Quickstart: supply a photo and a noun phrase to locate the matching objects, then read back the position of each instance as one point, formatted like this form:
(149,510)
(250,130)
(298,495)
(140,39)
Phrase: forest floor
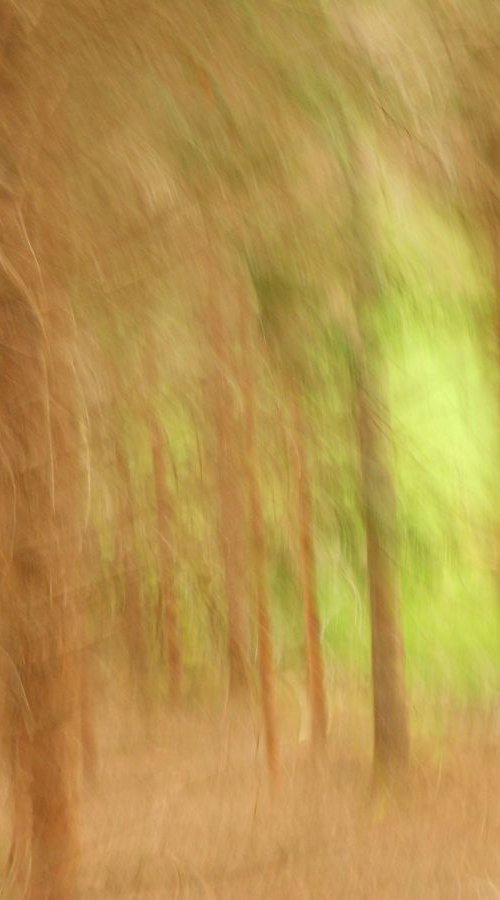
(181,808)
(186,812)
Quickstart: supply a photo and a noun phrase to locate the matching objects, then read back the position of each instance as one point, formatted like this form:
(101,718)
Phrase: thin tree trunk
(315,663)
(88,735)
(391,738)
(264,635)
(494,236)
(127,564)
(41,622)
(39,475)
(168,599)
(92,561)
(391,731)
(229,474)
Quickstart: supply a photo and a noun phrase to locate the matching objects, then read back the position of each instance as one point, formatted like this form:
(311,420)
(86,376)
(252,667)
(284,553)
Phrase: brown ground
(186,813)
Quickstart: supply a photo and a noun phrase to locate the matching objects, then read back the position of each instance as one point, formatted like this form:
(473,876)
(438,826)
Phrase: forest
(250,449)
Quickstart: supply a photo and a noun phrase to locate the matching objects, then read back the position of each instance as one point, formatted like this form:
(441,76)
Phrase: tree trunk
(391,732)
(315,663)
(391,739)
(494,237)
(40,541)
(127,564)
(229,449)
(40,478)
(264,635)
(168,600)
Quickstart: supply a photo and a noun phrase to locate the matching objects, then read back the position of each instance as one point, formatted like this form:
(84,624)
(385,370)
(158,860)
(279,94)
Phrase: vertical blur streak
(391,737)
(264,636)
(492,204)
(127,560)
(228,464)
(390,717)
(40,478)
(166,561)
(494,234)
(315,665)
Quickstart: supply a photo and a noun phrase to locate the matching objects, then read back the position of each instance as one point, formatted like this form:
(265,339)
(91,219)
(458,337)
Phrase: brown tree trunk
(391,730)
(229,449)
(494,236)
(92,564)
(391,737)
(88,734)
(168,600)
(264,635)
(129,577)
(39,474)
(315,663)
(41,621)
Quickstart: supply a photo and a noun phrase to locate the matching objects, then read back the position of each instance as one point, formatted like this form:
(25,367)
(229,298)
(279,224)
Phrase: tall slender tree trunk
(164,510)
(229,449)
(315,662)
(39,473)
(493,228)
(264,634)
(168,599)
(91,562)
(127,564)
(391,739)
(378,497)
(391,731)
(494,237)
(41,552)
(39,624)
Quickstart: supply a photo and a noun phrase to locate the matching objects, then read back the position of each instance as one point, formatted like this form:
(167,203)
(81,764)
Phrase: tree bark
(264,634)
(168,599)
(127,563)
(315,662)
(229,449)
(378,497)
(391,738)
(40,475)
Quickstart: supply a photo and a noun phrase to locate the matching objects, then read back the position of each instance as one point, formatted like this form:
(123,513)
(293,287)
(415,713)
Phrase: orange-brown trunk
(229,449)
(40,477)
(264,635)
(168,600)
(315,663)
(129,575)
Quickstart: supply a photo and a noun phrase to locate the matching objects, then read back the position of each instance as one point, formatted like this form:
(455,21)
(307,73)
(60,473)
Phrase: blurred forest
(249,449)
